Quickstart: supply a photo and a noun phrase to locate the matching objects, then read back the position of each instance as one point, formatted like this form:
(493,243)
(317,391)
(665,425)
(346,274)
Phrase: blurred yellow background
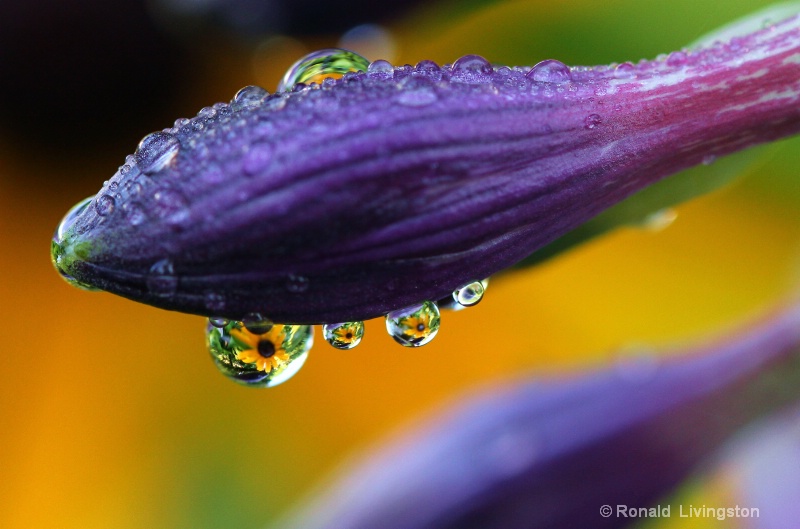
(113,415)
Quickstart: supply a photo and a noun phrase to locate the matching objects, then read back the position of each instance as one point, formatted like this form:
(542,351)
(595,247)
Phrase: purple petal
(548,454)
(384,189)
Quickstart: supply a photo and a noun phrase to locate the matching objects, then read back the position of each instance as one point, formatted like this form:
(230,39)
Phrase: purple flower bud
(344,201)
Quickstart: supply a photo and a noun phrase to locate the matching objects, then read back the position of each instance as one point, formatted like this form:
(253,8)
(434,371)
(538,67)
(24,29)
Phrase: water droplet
(592,120)
(161,279)
(316,66)
(256,323)
(70,218)
(380,69)
(214,301)
(207,113)
(256,159)
(677,58)
(660,219)
(550,71)
(414,326)
(156,151)
(429,70)
(626,70)
(297,284)
(249,96)
(469,295)
(259,360)
(343,335)
(472,69)
(218,322)
(171,206)
(105,205)
(125,169)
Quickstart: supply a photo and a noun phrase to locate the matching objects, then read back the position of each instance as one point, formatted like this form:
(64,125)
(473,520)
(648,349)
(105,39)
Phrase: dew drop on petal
(550,71)
(62,253)
(70,218)
(343,335)
(429,70)
(414,326)
(380,69)
(256,159)
(249,96)
(218,322)
(626,70)
(156,151)
(256,323)
(161,279)
(318,65)
(677,58)
(133,213)
(592,120)
(472,69)
(105,205)
(469,295)
(258,360)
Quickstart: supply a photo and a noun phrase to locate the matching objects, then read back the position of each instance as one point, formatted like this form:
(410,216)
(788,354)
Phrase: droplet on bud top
(156,151)
(318,65)
(550,71)
(472,69)
(414,326)
(259,360)
(343,335)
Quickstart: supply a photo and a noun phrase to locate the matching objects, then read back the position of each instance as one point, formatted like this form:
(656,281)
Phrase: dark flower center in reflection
(349,335)
(266,348)
(420,327)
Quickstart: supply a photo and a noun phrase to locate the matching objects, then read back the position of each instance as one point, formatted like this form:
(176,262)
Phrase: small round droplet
(414,326)
(161,279)
(428,69)
(380,69)
(343,335)
(318,65)
(677,58)
(257,158)
(550,71)
(105,205)
(133,213)
(472,69)
(592,120)
(249,96)
(218,322)
(297,284)
(256,323)
(626,70)
(156,151)
(207,113)
(259,360)
(469,295)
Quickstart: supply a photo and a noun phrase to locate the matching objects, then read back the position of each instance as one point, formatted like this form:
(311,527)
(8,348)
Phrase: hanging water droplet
(472,69)
(62,253)
(414,326)
(343,335)
(218,322)
(592,120)
(469,295)
(259,360)
(249,96)
(256,323)
(660,219)
(156,151)
(626,70)
(161,279)
(105,205)
(380,69)
(550,71)
(297,284)
(316,66)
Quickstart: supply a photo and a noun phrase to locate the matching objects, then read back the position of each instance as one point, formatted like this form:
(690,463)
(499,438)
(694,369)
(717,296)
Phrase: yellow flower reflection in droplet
(266,350)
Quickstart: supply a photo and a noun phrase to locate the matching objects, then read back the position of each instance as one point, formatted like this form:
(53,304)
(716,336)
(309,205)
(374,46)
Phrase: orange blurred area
(113,414)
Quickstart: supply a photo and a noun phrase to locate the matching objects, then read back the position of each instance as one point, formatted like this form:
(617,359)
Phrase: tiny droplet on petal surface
(259,360)
(316,66)
(550,71)
(105,205)
(414,326)
(156,151)
(343,335)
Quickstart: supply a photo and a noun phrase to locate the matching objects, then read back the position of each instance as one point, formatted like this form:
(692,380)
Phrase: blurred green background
(113,415)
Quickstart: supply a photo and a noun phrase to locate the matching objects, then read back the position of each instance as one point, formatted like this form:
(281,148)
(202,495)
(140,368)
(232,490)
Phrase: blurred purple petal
(548,454)
(387,188)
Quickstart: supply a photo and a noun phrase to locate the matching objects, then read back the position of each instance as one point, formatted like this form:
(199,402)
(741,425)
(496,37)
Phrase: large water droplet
(105,205)
(343,335)
(472,69)
(428,69)
(469,295)
(321,64)
(61,252)
(550,71)
(161,279)
(414,326)
(259,360)
(70,218)
(156,151)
